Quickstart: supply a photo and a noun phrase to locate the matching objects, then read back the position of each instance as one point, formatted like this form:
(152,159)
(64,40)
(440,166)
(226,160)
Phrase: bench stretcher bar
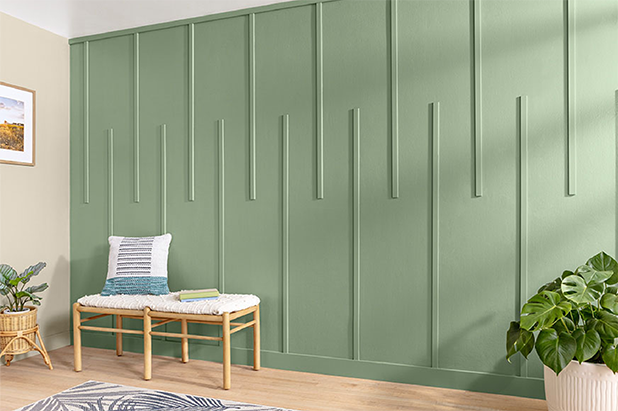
(162,318)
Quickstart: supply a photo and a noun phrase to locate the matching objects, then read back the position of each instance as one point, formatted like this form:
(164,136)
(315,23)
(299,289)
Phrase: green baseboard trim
(408,374)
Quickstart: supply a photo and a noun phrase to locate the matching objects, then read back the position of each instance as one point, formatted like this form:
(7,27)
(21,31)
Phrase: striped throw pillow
(137,265)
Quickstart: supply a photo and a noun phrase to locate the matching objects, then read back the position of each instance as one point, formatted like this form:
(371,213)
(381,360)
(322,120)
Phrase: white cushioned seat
(170,303)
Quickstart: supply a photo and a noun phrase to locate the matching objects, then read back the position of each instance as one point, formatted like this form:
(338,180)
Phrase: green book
(188,295)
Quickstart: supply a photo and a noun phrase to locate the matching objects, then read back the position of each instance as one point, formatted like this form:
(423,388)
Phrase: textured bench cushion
(170,303)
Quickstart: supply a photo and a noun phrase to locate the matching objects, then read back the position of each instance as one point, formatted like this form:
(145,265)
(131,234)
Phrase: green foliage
(543,310)
(518,340)
(609,301)
(578,290)
(13,287)
(575,316)
(556,349)
(588,343)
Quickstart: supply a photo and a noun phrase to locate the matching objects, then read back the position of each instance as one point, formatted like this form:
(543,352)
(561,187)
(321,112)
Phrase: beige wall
(34,201)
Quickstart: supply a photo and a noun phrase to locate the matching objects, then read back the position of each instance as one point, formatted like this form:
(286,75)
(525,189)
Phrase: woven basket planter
(11,323)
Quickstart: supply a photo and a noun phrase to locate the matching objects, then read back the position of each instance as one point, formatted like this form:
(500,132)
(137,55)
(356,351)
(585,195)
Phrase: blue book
(199,299)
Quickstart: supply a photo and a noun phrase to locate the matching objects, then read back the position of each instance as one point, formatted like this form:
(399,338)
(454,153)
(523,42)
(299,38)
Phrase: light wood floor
(29,380)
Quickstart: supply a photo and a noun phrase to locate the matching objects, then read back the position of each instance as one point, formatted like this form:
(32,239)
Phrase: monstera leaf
(610,357)
(588,344)
(555,350)
(552,286)
(607,325)
(564,324)
(543,310)
(518,340)
(578,290)
(610,302)
(603,262)
(593,276)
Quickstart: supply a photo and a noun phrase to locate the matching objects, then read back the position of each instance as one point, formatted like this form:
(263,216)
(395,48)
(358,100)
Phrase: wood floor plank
(29,380)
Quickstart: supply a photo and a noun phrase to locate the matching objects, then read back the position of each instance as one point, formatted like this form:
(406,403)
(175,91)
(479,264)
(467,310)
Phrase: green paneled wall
(392,178)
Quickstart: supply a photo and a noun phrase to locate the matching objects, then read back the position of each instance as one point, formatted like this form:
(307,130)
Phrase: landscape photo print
(16,124)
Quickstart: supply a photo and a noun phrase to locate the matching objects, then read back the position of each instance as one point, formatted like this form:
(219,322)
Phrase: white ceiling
(76,18)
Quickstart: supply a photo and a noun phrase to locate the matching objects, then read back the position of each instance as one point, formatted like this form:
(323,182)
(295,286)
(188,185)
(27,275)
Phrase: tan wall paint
(34,201)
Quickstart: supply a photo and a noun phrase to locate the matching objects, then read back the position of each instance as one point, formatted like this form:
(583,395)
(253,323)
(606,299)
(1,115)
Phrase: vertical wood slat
(522,136)
(434,127)
(570,101)
(319,46)
(163,178)
(86,122)
(252,118)
(110,181)
(136,119)
(191,112)
(285,132)
(356,229)
(221,210)
(394,101)
(478,98)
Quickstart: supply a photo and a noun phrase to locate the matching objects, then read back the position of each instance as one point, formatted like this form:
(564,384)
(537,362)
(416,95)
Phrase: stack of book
(199,295)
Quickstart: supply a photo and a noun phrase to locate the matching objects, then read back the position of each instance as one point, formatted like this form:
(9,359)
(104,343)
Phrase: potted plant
(572,323)
(15,315)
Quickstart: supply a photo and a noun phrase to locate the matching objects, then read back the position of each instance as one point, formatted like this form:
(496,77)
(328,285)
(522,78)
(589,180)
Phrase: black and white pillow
(137,265)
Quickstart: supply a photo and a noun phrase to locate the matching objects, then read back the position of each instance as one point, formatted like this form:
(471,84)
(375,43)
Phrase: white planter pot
(25,310)
(582,387)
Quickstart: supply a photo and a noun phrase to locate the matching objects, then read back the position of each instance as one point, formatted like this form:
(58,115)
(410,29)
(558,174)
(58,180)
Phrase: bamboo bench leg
(147,333)
(77,339)
(227,360)
(147,345)
(119,336)
(184,341)
(256,338)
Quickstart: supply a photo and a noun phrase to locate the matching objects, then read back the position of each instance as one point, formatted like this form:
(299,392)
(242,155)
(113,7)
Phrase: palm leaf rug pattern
(102,396)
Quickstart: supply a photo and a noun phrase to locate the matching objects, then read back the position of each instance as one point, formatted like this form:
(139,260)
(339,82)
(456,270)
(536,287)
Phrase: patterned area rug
(102,396)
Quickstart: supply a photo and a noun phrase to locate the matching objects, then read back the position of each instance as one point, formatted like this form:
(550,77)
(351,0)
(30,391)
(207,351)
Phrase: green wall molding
(221,205)
(523,193)
(136,147)
(414,162)
(86,131)
(477,94)
(570,100)
(110,181)
(473,381)
(434,127)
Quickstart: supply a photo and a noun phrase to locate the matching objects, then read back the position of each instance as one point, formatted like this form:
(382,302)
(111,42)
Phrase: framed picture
(17,111)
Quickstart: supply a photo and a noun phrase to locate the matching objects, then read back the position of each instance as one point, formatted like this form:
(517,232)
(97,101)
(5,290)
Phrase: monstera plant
(574,317)
(13,287)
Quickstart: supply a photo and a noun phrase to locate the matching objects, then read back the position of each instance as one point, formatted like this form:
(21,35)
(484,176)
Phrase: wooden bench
(153,319)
